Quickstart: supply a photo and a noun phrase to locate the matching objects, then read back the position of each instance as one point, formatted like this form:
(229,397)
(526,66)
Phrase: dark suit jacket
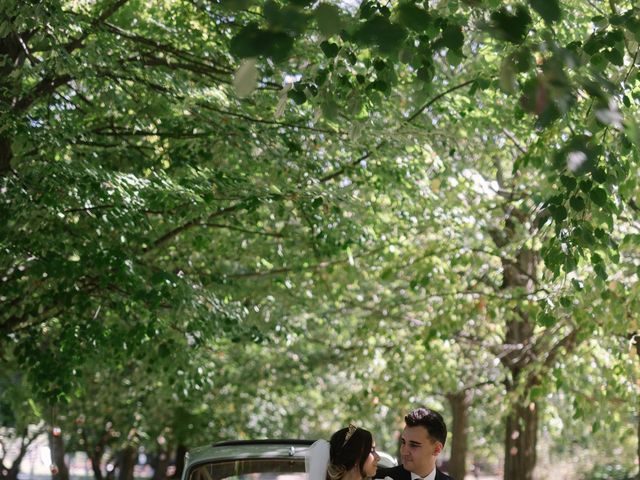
(399,473)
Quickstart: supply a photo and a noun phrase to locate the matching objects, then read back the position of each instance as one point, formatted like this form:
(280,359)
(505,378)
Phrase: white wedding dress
(317,460)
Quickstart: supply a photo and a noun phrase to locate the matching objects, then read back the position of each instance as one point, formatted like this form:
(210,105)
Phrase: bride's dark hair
(348,447)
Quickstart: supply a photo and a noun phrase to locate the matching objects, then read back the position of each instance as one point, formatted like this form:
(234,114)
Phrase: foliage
(610,472)
(237,206)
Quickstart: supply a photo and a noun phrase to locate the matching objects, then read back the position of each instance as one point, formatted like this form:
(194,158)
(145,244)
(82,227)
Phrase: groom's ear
(438,448)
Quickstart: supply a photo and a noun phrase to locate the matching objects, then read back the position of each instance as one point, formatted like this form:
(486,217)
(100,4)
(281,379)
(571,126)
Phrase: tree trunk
(635,336)
(112,464)
(96,453)
(181,451)
(459,403)
(95,457)
(12,473)
(128,460)
(10,49)
(521,437)
(160,464)
(5,155)
(522,421)
(59,469)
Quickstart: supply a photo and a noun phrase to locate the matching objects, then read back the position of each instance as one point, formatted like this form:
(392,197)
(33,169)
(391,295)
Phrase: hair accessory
(352,429)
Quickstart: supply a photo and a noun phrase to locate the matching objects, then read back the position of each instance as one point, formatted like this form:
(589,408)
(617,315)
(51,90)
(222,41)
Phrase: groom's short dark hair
(429,419)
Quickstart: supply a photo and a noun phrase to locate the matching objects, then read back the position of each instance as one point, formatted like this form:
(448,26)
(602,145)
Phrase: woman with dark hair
(349,455)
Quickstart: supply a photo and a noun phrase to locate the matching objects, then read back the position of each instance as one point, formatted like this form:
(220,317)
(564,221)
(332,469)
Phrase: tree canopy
(311,209)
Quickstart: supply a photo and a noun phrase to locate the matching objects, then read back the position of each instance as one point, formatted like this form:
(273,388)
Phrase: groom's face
(418,450)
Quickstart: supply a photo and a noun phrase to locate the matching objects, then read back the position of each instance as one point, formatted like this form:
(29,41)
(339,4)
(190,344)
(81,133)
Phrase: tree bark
(160,464)
(635,336)
(521,424)
(25,441)
(459,403)
(521,437)
(128,460)
(59,471)
(95,457)
(6,155)
(181,451)
(95,453)
(10,49)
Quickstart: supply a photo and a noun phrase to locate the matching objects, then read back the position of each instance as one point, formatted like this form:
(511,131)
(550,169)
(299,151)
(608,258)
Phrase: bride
(350,454)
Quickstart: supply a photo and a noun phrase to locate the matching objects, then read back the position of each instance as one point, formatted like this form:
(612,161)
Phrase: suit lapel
(440,475)
(403,473)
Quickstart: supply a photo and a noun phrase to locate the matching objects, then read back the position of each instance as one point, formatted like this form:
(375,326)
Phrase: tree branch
(244,230)
(436,98)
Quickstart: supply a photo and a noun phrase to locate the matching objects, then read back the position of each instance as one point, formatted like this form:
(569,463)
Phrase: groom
(423,438)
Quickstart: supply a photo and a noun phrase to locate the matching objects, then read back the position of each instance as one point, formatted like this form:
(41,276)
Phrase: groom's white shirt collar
(431,476)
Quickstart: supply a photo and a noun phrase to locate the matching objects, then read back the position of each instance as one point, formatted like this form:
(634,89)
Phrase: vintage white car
(254,460)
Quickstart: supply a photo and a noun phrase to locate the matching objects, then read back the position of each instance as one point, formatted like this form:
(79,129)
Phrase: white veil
(317,460)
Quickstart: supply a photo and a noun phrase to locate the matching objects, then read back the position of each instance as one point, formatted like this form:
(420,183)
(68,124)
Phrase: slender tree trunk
(25,442)
(114,461)
(60,471)
(10,50)
(181,451)
(129,457)
(96,453)
(521,424)
(95,457)
(160,464)
(12,473)
(5,155)
(635,336)
(521,437)
(459,403)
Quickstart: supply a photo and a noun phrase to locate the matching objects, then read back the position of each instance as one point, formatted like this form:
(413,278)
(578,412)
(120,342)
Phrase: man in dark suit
(423,438)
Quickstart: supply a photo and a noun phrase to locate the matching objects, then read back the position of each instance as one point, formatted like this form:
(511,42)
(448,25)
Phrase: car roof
(239,449)
(256,449)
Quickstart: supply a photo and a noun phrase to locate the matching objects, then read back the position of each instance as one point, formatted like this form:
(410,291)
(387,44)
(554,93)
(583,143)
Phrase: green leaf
(508,76)
(599,175)
(253,41)
(599,196)
(558,212)
(245,79)
(577,203)
(329,49)
(288,18)
(509,25)
(452,37)
(600,270)
(379,85)
(586,185)
(379,31)
(537,392)
(570,183)
(298,96)
(330,109)
(615,56)
(413,17)
(549,10)
(523,59)
(328,19)
(546,320)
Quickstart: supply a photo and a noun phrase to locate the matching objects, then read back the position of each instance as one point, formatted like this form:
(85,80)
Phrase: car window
(251,469)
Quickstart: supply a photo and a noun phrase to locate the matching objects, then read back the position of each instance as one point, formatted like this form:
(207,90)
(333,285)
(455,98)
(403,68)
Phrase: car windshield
(251,469)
